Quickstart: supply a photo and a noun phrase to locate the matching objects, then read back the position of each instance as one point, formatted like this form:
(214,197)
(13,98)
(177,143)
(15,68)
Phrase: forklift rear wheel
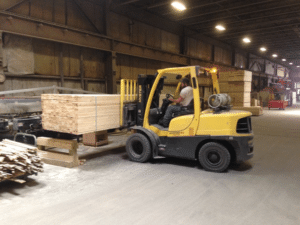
(214,157)
(138,148)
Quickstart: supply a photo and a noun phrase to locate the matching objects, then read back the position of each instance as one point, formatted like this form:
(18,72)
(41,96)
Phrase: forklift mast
(145,83)
(134,101)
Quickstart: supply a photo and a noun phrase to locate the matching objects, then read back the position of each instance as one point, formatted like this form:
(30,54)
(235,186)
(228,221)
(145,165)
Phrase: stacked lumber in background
(238,85)
(17,159)
(80,114)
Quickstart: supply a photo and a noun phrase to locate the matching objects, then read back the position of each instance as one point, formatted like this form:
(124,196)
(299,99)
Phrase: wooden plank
(240,96)
(79,114)
(58,159)
(235,86)
(57,143)
(235,75)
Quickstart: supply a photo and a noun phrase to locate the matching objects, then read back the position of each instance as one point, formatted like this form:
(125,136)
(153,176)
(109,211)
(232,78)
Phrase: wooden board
(237,75)
(80,114)
(240,96)
(235,86)
(241,104)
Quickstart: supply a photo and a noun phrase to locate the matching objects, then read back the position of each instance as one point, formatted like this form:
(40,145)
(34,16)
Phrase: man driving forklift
(183,102)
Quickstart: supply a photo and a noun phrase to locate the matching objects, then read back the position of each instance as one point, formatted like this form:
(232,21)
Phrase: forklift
(215,137)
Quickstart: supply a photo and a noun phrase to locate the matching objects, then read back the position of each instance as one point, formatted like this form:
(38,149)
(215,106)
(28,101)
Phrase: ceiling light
(220,27)
(291,63)
(263,49)
(246,40)
(178,5)
(298,66)
(283,60)
(274,55)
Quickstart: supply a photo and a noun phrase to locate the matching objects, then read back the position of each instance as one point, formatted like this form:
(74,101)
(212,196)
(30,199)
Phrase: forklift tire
(138,148)
(214,157)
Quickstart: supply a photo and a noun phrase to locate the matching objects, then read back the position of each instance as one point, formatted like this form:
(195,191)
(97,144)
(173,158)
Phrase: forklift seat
(186,110)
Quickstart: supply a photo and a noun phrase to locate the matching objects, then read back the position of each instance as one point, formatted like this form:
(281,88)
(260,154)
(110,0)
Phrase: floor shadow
(11,187)
(95,154)
(175,161)
(240,167)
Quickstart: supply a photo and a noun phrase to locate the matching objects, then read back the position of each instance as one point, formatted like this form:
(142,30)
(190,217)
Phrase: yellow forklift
(216,136)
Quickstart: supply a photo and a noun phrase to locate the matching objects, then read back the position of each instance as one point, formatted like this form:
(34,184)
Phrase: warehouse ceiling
(272,24)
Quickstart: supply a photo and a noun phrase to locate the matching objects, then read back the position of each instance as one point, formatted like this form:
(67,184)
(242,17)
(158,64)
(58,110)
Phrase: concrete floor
(110,189)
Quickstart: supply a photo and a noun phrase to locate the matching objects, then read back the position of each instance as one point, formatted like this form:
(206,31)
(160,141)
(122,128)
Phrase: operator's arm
(178,100)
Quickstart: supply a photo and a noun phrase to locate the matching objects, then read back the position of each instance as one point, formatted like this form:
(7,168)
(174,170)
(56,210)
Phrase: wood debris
(17,159)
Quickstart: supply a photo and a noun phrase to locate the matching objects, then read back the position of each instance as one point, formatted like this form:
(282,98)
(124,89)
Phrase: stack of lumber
(80,114)
(17,159)
(238,85)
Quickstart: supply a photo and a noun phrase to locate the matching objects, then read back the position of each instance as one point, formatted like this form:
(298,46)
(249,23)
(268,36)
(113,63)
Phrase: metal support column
(233,57)
(248,61)
(83,86)
(111,72)
(2,76)
(213,53)
(61,66)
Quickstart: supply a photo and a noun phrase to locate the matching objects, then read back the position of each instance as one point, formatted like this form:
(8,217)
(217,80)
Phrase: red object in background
(278,104)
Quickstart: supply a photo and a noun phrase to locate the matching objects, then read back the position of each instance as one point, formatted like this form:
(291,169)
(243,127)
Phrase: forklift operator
(185,97)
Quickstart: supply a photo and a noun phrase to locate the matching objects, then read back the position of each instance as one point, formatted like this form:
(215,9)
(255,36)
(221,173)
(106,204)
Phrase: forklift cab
(184,122)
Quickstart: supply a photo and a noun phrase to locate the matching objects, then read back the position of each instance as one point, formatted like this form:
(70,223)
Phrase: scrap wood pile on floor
(17,159)
(80,114)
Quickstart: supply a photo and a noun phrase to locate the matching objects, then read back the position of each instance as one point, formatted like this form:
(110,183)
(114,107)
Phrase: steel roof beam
(244,13)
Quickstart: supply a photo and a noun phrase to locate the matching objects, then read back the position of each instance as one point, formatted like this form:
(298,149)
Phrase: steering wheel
(169,95)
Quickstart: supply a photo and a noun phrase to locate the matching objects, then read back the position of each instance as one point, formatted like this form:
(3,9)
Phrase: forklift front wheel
(138,148)
(214,157)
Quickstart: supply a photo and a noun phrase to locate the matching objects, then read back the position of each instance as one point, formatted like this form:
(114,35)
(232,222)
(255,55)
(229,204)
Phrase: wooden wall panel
(4,4)
(139,33)
(125,67)
(204,50)
(71,60)
(75,18)
(139,66)
(119,26)
(74,61)
(170,42)
(22,9)
(114,25)
(123,24)
(93,63)
(153,66)
(199,49)
(96,87)
(44,57)
(223,55)
(59,8)
(192,47)
(42,9)
(240,60)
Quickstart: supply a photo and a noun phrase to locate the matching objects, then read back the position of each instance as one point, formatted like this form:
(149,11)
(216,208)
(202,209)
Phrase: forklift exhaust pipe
(219,100)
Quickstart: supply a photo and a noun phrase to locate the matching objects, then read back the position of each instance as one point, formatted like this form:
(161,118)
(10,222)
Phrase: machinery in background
(279,94)
(20,117)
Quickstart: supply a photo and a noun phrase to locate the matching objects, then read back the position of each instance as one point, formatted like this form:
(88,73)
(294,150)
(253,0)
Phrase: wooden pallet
(55,157)
(95,139)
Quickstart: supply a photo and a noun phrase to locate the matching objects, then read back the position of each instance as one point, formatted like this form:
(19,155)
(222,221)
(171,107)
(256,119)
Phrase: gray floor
(109,189)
